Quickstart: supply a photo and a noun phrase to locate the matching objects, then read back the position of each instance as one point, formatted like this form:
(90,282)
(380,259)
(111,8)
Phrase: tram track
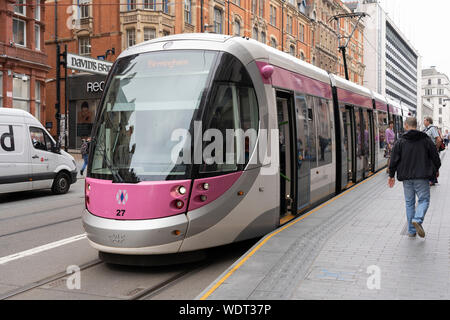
(149,292)
(47,280)
(39,227)
(139,294)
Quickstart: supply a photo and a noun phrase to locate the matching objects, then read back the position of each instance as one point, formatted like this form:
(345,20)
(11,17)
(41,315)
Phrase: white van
(29,157)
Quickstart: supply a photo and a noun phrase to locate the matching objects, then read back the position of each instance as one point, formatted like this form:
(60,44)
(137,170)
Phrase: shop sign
(86,64)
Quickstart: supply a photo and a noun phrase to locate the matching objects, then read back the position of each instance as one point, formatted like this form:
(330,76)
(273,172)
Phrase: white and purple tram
(319,135)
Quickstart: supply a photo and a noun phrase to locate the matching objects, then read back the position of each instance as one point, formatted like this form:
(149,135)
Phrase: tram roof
(245,49)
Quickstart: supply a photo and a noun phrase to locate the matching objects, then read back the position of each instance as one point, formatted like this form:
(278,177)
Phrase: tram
(296,136)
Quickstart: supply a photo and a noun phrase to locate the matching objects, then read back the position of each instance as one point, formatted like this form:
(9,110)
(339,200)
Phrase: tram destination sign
(86,64)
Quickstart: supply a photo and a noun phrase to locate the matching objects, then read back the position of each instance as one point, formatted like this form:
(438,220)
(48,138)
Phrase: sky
(426,24)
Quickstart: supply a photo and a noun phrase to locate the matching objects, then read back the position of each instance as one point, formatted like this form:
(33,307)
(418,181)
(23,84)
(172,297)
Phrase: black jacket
(414,156)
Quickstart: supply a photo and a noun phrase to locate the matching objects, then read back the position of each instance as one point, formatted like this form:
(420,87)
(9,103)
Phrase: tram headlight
(181,190)
(206,186)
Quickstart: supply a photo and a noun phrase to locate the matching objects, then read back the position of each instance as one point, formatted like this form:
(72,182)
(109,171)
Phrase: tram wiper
(117,178)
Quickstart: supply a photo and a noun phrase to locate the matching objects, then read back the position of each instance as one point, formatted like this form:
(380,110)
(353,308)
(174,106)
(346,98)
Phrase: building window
(439,81)
(429,81)
(37,98)
(20,7)
(261,8)
(217,20)
(37,37)
(187,11)
(254,4)
(440,121)
(166,33)
(292,50)
(149,4)
(273,15)
(21,92)
(440,100)
(237,28)
(131,5)
(37,10)
(165,6)
(273,43)
(84,46)
(83,6)
(131,37)
(263,37)
(302,6)
(302,55)
(149,34)
(440,111)
(289,24)
(19,32)
(237,2)
(301,32)
(255,33)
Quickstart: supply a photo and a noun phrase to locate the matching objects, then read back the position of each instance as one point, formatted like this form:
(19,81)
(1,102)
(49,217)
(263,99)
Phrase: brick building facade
(326,54)
(95,27)
(23,58)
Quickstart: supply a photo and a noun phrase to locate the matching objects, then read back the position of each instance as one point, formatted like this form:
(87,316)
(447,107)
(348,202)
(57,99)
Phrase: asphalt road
(32,226)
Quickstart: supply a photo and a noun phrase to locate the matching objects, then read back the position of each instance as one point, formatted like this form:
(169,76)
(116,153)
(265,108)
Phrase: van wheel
(61,184)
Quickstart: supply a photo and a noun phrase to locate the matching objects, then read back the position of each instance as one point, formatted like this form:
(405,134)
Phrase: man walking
(414,159)
(434,135)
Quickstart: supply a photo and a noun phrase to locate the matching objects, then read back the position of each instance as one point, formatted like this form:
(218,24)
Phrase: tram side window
(311,141)
(383,125)
(230,128)
(302,133)
(324,131)
(399,126)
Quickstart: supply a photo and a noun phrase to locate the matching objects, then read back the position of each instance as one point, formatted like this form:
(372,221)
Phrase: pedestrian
(85,153)
(390,139)
(446,138)
(434,135)
(414,158)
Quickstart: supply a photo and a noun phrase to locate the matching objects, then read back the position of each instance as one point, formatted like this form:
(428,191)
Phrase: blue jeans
(411,188)
(85,158)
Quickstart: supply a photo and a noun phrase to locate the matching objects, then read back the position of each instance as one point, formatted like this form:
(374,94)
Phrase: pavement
(354,246)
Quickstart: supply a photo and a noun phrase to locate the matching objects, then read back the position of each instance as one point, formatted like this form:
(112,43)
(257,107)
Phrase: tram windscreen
(149,97)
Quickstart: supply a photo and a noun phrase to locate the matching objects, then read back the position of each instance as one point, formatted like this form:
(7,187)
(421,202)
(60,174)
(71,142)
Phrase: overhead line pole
(343,48)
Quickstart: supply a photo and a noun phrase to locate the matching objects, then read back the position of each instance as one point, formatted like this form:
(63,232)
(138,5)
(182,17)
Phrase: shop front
(84,94)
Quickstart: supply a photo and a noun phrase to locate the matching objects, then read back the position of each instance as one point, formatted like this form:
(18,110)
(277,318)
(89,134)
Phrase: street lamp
(444,105)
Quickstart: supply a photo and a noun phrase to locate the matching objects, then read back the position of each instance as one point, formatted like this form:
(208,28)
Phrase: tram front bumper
(137,237)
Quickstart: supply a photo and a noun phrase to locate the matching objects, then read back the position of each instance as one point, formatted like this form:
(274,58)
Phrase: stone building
(393,65)
(436,92)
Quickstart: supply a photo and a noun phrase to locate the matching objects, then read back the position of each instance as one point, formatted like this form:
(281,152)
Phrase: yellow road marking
(251,253)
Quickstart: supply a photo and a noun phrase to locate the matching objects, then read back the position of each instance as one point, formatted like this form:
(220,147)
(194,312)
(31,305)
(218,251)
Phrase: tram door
(348,143)
(371,140)
(366,142)
(304,152)
(288,175)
